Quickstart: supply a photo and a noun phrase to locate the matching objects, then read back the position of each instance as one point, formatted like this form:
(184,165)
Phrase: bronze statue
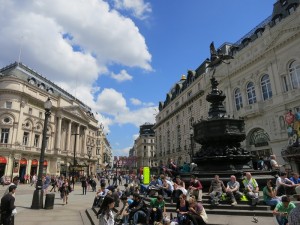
(216,57)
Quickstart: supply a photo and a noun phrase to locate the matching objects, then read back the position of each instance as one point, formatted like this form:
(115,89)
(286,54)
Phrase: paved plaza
(74,212)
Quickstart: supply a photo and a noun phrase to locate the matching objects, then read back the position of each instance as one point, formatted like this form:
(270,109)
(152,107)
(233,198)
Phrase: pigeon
(255,219)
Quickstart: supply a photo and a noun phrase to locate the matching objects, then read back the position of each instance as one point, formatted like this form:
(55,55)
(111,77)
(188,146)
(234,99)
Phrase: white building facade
(262,84)
(22,96)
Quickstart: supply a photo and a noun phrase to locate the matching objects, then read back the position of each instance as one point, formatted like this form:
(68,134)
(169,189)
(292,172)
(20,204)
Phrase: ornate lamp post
(89,153)
(37,200)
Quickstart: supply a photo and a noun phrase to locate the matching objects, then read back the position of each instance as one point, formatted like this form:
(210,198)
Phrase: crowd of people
(187,200)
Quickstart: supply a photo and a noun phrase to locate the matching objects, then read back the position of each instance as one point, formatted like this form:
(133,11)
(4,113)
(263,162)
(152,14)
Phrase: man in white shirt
(284,186)
(273,163)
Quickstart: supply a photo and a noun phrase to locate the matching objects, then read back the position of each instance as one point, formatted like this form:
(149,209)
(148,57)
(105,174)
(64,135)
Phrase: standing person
(46,184)
(283,209)
(216,189)
(7,206)
(14,182)
(53,183)
(83,185)
(65,190)
(120,179)
(197,214)
(105,214)
(232,190)
(33,180)
(115,179)
(251,188)
(195,188)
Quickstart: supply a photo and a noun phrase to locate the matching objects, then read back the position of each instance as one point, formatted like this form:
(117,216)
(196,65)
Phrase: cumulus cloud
(135,101)
(139,8)
(122,76)
(72,43)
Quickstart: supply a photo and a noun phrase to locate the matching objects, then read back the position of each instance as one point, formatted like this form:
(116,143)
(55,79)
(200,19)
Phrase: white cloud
(72,43)
(139,8)
(121,152)
(122,76)
(135,101)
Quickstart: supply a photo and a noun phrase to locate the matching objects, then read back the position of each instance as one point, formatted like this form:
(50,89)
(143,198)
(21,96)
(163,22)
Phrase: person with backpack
(251,188)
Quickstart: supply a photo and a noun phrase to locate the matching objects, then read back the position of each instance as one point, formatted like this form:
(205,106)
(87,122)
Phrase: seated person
(251,188)
(195,188)
(167,187)
(157,209)
(179,188)
(284,185)
(185,168)
(216,189)
(232,190)
(100,194)
(123,215)
(138,211)
(269,194)
(273,163)
(283,209)
(196,214)
(155,185)
(182,209)
(296,180)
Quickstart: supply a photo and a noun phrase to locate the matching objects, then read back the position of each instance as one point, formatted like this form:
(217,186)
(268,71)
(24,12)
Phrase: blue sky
(121,57)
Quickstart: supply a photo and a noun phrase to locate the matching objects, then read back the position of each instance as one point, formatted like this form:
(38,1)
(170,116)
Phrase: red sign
(34,162)
(3,160)
(23,162)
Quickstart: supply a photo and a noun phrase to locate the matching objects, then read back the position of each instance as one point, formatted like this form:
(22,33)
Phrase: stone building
(22,95)
(262,84)
(144,146)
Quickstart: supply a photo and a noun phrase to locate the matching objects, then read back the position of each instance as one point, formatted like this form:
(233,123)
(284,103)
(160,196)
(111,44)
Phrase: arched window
(251,93)
(266,87)
(294,72)
(238,99)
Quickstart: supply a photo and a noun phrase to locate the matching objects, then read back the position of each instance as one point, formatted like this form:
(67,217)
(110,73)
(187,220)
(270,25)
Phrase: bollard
(49,202)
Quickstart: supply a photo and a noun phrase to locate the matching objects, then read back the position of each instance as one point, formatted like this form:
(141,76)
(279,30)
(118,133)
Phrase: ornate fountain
(220,137)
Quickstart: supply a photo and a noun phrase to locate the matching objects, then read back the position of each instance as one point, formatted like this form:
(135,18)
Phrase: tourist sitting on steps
(157,209)
(269,194)
(295,178)
(216,189)
(283,209)
(274,164)
(284,186)
(196,214)
(232,190)
(138,211)
(195,188)
(251,188)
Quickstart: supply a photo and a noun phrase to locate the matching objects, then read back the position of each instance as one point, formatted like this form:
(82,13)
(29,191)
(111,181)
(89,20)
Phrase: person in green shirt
(283,209)
(269,194)
(157,209)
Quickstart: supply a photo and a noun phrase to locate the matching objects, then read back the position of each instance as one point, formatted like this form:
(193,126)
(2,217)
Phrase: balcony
(252,110)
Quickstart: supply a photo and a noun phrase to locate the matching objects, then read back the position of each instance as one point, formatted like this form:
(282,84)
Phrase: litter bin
(49,202)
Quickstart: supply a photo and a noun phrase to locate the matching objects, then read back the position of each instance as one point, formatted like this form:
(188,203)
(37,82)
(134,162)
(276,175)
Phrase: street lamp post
(192,143)
(12,169)
(37,200)
(89,155)
(74,160)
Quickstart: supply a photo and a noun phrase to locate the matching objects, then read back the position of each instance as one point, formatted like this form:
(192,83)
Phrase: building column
(68,144)
(58,133)
(84,150)
(78,139)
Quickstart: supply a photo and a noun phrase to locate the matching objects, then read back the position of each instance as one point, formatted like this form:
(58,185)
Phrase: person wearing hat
(105,214)
(7,206)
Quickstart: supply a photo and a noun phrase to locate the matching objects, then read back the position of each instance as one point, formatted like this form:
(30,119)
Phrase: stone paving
(74,212)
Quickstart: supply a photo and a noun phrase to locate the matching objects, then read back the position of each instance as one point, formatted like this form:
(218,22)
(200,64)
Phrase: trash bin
(49,202)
